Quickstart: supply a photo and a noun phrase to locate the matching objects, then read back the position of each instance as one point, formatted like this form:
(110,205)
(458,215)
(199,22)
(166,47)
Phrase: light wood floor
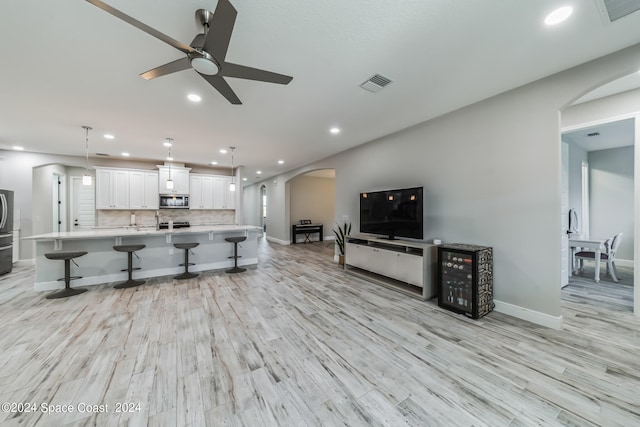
(296,341)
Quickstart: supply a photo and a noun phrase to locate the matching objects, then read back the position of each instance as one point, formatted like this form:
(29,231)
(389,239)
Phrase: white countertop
(140,231)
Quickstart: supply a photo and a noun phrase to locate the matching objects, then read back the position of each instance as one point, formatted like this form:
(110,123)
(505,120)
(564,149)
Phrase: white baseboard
(623,263)
(142,274)
(278,241)
(554,322)
(25,262)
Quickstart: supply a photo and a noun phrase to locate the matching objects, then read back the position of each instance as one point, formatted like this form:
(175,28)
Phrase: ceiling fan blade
(221,27)
(242,72)
(223,87)
(147,29)
(163,70)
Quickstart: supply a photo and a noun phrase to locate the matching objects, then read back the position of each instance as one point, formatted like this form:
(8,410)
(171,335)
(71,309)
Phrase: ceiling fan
(207,52)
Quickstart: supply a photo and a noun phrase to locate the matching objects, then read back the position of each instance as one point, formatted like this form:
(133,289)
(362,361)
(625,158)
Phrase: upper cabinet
(126,189)
(223,198)
(143,190)
(201,191)
(112,189)
(179,176)
(139,189)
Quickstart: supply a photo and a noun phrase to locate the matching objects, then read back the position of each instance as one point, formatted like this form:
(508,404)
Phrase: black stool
(67,257)
(130,249)
(235,241)
(186,246)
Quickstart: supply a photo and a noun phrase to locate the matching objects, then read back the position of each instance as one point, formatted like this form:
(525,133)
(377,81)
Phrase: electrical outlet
(170,251)
(345,218)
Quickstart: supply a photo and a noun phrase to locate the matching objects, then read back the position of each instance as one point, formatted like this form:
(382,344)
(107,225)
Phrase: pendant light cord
(232,168)
(87,129)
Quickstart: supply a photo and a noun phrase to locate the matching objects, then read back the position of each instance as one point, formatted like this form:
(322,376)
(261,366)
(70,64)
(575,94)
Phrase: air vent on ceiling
(612,10)
(594,134)
(375,83)
(102,154)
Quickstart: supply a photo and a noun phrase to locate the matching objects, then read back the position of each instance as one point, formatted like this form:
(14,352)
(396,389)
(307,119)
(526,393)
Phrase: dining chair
(609,256)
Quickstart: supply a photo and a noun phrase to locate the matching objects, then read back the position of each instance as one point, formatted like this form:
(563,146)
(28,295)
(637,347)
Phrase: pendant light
(86,178)
(169,143)
(232,185)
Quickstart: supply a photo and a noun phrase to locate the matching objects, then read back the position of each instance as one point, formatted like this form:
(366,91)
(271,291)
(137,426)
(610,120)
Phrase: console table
(307,230)
(405,266)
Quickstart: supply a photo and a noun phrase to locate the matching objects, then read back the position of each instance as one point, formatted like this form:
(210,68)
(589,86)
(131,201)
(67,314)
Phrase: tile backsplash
(147,218)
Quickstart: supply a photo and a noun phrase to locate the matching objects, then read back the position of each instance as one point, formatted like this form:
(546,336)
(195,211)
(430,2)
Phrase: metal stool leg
(131,282)
(68,291)
(187,274)
(235,268)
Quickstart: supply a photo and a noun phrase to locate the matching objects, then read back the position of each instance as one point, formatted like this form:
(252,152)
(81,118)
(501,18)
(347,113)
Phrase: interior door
(83,204)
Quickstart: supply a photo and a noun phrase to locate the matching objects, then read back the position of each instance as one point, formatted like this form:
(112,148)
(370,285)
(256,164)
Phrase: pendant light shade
(87,179)
(232,185)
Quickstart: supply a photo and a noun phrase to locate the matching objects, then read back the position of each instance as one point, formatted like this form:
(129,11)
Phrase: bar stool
(186,246)
(67,257)
(235,241)
(130,249)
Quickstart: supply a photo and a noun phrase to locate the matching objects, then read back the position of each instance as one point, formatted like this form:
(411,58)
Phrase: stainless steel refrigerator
(6,231)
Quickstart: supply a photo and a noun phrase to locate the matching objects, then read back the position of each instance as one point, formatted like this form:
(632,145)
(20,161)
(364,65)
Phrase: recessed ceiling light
(193,97)
(558,15)
(281,162)
(244,179)
(334,130)
(109,136)
(214,163)
(170,159)
(18,148)
(166,144)
(258,172)
(125,154)
(223,151)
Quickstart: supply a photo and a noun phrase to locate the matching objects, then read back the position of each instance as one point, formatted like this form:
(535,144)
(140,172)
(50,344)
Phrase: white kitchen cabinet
(180,177)
(143,190)
(201,191)
(222,197)
(112,189)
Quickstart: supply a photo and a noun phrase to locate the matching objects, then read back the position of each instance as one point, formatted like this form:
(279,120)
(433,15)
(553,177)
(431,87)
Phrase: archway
(609,107)
(311,198)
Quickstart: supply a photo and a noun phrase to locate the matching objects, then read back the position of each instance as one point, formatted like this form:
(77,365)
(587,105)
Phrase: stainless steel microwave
(174,201)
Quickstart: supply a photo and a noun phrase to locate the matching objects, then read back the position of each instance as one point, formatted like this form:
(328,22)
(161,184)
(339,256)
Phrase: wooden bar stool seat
(67,257)
(130,249)
(187,247)
(235,241)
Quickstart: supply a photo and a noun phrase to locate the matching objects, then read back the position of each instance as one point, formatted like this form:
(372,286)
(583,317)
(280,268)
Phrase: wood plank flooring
(296,341)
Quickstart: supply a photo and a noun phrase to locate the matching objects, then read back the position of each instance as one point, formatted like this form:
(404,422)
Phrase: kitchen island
(159,258)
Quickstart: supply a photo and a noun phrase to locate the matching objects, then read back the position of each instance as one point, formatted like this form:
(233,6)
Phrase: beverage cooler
(465,279)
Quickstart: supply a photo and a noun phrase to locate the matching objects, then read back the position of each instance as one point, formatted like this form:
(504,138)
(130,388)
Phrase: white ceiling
(610,135)
(68,63)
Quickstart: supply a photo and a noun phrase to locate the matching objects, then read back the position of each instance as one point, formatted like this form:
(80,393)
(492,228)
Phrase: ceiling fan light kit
(204,64)
(207,52)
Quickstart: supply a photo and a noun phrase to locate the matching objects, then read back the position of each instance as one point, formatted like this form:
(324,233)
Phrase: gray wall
(491,173)
(313,198)
(611,196)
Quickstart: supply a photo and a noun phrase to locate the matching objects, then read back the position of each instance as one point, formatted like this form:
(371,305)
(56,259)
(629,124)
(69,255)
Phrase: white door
(83,204)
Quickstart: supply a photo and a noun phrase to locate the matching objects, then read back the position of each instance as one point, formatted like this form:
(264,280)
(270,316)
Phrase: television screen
(392,213)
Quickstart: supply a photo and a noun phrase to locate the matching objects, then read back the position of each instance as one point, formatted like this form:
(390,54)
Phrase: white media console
(407,266)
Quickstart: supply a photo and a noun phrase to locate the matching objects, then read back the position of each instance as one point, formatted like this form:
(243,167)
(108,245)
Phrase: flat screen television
(392,213)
